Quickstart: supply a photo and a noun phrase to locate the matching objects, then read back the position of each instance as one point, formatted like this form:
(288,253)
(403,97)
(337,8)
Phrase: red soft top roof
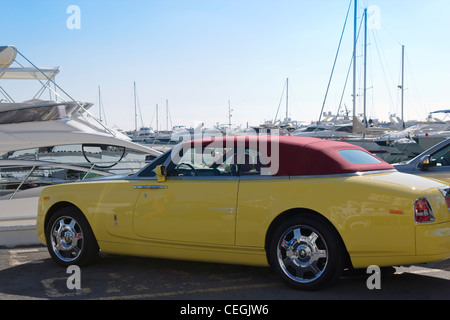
(299,155)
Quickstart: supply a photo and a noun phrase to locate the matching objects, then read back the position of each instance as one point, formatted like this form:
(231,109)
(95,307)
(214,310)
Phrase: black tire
(70,240)
(306,252)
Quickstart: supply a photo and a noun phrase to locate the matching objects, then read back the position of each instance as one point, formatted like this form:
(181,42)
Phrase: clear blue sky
(198,54)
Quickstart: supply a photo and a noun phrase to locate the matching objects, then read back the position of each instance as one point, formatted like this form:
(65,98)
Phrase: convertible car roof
(300,155)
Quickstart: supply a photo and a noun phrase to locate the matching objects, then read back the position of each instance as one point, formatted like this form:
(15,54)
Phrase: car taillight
(423,211)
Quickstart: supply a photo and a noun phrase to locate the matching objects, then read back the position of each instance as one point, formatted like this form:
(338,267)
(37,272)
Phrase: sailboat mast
(354,62)
(99,104)
(135,107)
(403,82)
(365,71)
(157,124)
(287,98)
(229,113)
(167,114)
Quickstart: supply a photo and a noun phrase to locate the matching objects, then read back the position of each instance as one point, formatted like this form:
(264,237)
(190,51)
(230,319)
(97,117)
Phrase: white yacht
(44,142)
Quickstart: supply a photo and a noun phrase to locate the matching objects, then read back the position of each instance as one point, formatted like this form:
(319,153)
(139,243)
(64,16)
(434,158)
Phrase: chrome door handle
(150,187)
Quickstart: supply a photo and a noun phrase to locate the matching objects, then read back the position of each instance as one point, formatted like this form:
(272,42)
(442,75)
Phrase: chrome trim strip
(150,187)
(203,178)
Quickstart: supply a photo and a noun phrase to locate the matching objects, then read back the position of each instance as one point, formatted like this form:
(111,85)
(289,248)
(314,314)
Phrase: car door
(196,203)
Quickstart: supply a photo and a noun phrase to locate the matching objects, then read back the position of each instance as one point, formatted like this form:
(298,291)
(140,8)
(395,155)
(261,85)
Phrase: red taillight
(423,211)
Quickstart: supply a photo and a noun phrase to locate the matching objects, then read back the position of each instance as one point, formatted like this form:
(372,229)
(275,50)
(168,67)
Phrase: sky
(201,55)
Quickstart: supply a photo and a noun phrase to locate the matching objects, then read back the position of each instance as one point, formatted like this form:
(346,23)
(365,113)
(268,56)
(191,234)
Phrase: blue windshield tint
(358,157)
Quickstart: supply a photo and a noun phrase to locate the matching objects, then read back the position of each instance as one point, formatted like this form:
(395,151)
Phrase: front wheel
(306,252)
(70,240)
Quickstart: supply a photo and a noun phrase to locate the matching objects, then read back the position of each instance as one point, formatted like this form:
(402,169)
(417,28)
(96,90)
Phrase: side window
(204,162)
(149,170)
(442,157)
(251,163)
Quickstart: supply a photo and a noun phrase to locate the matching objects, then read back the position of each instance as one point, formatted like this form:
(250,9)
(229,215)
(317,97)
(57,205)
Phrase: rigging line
(380,56)
(414,84)
(153,118)
(139,107)
(335,60)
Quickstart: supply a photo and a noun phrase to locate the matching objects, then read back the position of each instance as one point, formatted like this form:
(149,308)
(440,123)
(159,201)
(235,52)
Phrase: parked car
(432,163)
(307,207)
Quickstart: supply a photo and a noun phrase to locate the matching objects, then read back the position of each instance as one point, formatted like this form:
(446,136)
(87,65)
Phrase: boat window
(38,113)
(18,178)
(345,129)
(109,158)
(358,157)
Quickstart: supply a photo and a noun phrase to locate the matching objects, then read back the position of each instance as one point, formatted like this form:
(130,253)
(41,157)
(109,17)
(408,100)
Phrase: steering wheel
(193,170)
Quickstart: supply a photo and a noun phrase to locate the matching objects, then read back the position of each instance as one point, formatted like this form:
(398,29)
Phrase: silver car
(432,163)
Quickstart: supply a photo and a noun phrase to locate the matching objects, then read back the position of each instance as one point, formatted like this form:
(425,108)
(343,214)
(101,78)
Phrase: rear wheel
(70,240)
(306,252)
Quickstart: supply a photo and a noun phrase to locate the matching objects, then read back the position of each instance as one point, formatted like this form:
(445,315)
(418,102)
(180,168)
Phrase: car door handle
(150,187)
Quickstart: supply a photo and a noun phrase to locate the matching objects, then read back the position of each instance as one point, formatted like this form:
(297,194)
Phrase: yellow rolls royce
(307,207)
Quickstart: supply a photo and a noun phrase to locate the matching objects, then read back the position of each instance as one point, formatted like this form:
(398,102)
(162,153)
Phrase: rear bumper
(433,241)
(432,244)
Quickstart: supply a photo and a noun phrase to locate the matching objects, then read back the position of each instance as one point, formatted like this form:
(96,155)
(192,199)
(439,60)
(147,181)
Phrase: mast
(354,63)
(229,113)
(287,100)
(135,108)
(167,114)
(365,71)
(157,125)
(99,104)
(403,82)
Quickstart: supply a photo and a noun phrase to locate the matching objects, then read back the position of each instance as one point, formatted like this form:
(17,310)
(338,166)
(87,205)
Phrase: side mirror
(424,163)
(161,173)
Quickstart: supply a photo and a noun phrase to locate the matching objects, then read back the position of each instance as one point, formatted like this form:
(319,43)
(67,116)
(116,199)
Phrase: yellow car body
(231,219)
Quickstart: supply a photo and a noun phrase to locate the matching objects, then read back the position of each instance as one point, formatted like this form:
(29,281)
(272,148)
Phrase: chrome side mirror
(424,163)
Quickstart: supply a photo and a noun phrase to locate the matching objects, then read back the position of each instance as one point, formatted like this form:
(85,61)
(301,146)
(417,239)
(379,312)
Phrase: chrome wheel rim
(66,239)
(302,254)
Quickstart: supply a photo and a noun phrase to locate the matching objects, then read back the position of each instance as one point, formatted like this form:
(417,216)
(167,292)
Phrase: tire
(306,252)
(70,240)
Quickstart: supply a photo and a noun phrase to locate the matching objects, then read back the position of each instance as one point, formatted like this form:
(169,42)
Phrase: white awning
(29,73)
(7,56)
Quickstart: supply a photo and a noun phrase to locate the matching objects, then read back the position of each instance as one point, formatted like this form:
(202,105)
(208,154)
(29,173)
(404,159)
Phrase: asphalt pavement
(28,273)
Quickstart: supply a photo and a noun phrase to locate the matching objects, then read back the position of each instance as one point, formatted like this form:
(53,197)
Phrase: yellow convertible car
(307,207)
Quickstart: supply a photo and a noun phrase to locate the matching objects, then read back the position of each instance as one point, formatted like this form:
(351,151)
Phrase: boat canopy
(28,73)
(7,56)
